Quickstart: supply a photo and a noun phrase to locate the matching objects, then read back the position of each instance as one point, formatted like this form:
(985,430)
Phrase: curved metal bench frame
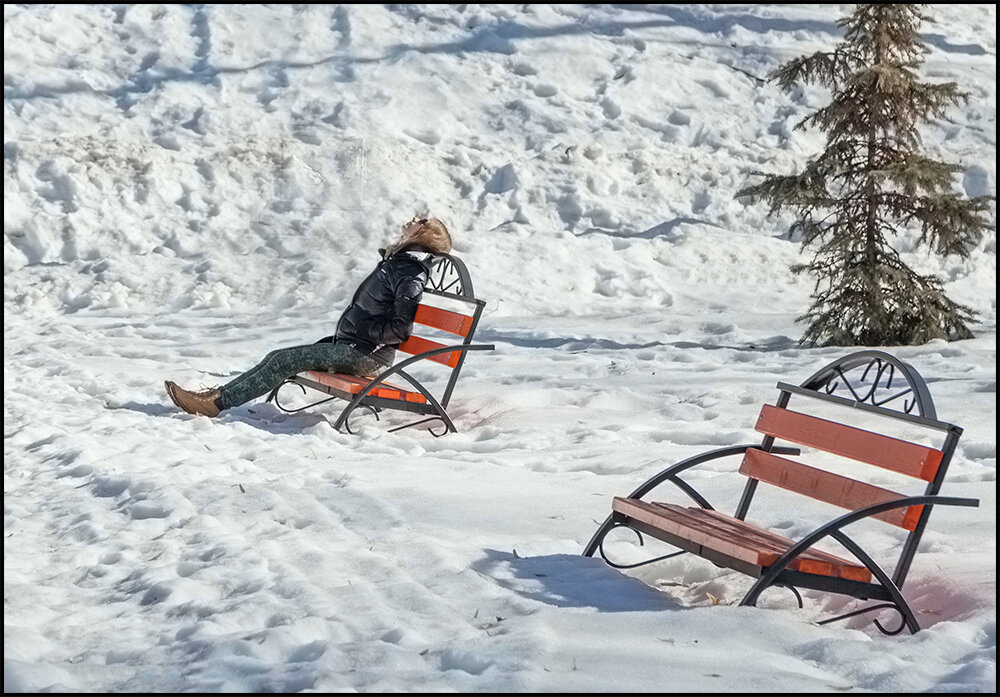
(865,380)
(449,278)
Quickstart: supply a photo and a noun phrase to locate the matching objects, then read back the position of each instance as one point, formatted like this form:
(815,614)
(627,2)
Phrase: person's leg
(281,364)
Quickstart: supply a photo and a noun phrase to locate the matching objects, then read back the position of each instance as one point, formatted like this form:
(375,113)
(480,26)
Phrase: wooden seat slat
(736,538)
(352,384)
(770,544)
(849,569)
(677,524)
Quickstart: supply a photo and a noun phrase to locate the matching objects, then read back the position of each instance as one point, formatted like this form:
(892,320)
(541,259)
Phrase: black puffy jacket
(381,312)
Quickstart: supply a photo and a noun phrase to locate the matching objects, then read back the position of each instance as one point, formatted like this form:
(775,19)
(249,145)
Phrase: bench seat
(711,531)
(346,386)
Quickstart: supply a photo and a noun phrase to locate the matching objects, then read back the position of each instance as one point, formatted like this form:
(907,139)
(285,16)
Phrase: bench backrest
(448,309)
(867,381)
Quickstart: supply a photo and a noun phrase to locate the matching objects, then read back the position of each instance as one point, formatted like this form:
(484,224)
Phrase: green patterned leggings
(284,363)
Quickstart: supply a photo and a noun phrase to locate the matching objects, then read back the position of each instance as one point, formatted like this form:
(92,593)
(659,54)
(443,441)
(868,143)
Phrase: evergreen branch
(914,172)
(892,306)
(802,191)
(950,224)
(823,67)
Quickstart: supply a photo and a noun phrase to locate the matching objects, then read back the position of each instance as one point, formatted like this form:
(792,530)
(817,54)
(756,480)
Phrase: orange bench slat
(765,549)
(352,384)
(445,320)
(826,486)
(854,443)
(814,561)
(735,538)
(418,344)
(768,546)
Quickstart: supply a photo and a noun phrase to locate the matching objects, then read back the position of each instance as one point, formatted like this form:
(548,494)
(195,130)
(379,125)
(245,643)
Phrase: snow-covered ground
(187,187)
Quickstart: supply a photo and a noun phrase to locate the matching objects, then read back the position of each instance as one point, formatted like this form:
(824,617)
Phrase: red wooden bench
(863,384)
(448,309)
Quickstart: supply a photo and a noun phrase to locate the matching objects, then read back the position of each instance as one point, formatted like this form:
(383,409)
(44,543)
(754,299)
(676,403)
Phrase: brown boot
(194,402)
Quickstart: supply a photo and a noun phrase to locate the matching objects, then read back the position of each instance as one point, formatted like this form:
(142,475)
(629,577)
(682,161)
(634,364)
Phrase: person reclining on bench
(379,317)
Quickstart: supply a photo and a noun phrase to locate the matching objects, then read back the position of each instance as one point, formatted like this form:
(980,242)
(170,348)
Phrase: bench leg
(895,595)
(354,404)
(617,520)
(878,624)
(441,413)
(273,397)
(901,606)
(373,410)
(424,421)
(612,521)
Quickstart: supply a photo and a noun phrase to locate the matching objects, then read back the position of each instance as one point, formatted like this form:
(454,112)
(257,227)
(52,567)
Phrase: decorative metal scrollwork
(449,275)
(430,429)
(273,397)
(347,421)
(872,608)
(793,589)
(876,378)
(638,534)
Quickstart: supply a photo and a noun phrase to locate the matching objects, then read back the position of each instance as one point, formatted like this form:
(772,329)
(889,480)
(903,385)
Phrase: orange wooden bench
(855,388)
(448,309)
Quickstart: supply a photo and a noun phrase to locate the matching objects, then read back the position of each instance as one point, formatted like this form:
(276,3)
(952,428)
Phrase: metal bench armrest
(671,472)
(834,526)
(398,367)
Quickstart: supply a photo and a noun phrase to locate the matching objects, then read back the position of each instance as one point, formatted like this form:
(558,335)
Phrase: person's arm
(395,326)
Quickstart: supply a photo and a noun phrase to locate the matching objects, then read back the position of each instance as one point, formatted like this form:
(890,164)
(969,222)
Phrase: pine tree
(869,183)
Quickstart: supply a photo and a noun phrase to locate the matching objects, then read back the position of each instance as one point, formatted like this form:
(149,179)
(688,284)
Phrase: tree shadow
(569,342)
(940,42)
(577,344)
(495,38)
(722,24)
(666,230)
